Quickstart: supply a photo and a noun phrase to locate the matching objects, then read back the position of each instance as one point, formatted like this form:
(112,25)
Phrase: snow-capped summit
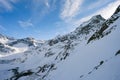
(97,17)
(3,38)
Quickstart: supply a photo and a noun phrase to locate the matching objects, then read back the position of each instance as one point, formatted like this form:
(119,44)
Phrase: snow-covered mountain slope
(5,39)
(91,52)
(9,46)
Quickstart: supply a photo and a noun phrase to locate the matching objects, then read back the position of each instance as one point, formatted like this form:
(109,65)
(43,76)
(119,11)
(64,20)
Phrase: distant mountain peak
(97,17)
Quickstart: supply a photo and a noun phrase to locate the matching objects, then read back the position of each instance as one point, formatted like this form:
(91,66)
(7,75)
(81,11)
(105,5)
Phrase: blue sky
(45,19)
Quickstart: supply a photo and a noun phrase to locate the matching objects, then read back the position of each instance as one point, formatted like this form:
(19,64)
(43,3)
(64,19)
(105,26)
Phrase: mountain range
(90,52)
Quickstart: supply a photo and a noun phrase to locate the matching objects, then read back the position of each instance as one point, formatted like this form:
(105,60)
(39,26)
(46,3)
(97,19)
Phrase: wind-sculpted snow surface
(91,52)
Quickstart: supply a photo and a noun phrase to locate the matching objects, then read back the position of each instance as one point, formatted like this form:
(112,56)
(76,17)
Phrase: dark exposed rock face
(100,33)
(5,49)
(28,41)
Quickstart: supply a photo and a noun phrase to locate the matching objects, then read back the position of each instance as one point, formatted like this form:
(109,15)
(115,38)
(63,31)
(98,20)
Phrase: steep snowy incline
(95,61)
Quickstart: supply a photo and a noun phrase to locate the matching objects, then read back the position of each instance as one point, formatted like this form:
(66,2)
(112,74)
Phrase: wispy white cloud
(38,11)
(25,24)
(47,4)
(70,8)
(14,1)
(41,8)
(98,3)
(7,4)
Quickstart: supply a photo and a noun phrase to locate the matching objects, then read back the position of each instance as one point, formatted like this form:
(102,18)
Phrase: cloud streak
(98,3)
(70,9)
(41,8)
(7,4)
(25,24)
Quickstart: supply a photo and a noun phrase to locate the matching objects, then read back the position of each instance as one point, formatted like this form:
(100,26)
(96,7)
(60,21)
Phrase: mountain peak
(97,17)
